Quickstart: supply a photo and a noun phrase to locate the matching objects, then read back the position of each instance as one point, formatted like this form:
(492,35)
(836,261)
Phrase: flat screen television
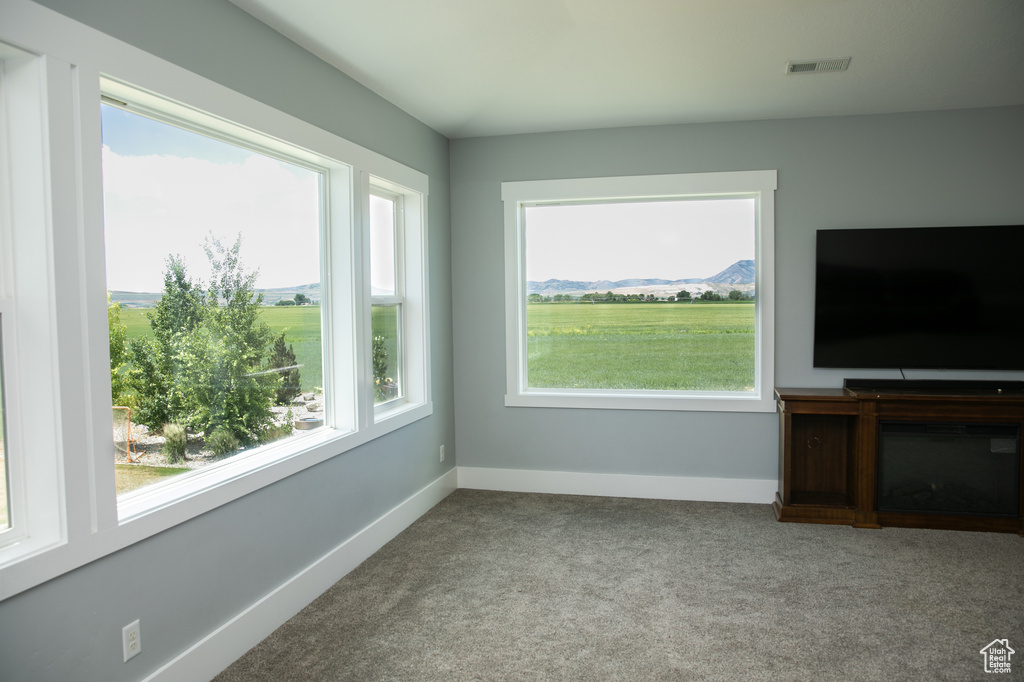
(920,298)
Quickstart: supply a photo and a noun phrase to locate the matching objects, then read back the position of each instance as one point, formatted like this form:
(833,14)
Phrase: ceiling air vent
(817,65)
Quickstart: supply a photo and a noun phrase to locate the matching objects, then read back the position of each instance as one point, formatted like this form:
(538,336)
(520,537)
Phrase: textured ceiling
(479,67)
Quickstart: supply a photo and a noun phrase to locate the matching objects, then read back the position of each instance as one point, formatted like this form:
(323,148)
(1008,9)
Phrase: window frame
(411,290)
(86,521)
(759,184)
(33,111)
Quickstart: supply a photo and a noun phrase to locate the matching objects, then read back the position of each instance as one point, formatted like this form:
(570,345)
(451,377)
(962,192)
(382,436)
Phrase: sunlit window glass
(387,303)
(653,295)
(214,292)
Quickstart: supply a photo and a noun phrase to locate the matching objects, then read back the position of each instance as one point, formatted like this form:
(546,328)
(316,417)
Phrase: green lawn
(651,346)
(301,325)
(134,476)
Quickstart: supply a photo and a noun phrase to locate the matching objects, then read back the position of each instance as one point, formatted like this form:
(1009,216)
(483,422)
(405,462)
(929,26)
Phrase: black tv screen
(920,298)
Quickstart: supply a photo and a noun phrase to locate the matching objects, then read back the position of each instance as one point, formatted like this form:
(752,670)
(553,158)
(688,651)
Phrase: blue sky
(133,135)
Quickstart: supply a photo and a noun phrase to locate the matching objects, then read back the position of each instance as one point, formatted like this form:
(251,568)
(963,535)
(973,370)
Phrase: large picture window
(644,293)
(213,256)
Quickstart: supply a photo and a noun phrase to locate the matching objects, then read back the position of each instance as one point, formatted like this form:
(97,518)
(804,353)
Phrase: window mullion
(363,331)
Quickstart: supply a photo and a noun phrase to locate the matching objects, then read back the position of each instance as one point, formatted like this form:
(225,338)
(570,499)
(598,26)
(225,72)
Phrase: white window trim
(410,277)
(87,521)
(28,212)
(760,183)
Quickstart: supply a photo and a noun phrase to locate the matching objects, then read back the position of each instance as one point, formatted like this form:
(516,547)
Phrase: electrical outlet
(131,640)
(442,453)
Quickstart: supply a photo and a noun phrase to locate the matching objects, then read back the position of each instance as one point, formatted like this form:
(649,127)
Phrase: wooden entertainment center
(829,451)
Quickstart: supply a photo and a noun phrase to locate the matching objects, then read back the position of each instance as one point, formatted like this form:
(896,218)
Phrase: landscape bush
(382,383)
(222,441)
(175,440)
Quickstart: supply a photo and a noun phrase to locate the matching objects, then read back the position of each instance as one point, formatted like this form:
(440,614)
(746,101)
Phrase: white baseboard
(753,490)
(220,648)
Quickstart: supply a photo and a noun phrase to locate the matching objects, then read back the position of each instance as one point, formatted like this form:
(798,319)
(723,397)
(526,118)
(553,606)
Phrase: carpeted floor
(505,586)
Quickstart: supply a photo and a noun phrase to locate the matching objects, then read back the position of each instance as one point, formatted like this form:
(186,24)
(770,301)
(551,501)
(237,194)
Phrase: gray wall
(933,168)
(189,580)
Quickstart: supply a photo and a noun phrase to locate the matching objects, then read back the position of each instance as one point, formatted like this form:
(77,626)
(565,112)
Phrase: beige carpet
(503,586)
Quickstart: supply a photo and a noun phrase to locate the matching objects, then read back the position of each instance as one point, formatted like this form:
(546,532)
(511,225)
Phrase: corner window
(213,258)
(640,293)
(206,261)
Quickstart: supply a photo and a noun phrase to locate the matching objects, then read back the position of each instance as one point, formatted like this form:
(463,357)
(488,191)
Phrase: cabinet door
(821,457)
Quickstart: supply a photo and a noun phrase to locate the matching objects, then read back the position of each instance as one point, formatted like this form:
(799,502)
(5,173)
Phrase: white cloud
(155,206)
(658,239)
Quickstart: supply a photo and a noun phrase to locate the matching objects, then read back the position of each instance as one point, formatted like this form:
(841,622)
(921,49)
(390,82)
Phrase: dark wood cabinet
(829,452)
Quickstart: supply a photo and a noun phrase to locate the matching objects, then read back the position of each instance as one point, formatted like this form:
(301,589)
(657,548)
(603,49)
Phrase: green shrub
(282,430)
(383,385)
(282,357)
(175,439)
(222,441)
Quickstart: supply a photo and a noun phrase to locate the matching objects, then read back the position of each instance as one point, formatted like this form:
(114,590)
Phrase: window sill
(689,401)
(149,512)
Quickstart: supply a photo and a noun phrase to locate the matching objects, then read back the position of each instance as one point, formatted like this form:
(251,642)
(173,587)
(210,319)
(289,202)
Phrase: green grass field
(130,477)
(301,326)
(650,346)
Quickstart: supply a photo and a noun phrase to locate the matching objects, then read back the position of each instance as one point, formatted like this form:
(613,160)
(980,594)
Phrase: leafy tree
(283,359)
(205,366)
(301,299)
(285,301)
(238,338)
(121,392)
(735,295)
(158,363)
(683,295)
(710,296)
(180,310)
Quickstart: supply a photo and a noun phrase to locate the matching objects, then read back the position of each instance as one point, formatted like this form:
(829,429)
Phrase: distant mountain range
(144,299)
(740,275)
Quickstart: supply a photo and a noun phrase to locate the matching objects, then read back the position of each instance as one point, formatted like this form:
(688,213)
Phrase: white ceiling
(470,68)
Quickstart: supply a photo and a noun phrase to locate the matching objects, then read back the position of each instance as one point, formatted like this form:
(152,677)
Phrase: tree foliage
(206,364)
(121,392)
(283,359)
(383,385)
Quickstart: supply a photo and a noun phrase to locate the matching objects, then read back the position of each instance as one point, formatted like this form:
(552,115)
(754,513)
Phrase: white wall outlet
(442,453)
(131,640)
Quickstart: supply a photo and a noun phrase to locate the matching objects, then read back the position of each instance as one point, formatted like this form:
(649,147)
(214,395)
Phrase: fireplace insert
(949,468)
